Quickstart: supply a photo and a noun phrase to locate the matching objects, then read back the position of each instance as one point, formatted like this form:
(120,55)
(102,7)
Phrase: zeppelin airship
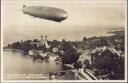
(48,13)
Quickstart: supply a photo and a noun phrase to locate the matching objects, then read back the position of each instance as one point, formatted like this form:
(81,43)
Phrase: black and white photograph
(63,40)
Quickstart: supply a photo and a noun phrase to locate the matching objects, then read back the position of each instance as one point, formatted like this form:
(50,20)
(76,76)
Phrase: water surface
(17,63)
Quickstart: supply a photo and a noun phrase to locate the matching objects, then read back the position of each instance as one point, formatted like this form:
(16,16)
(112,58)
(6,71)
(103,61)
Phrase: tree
(26,46)
(55,43)
(78,65)
(9,45)
(70,55)
(103,42)
(87,64)
(35,40)
(63,40)
(84,39)
(16,45)
(108,60)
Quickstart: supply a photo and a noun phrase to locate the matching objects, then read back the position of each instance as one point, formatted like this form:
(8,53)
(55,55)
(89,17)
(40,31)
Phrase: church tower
(42,41)
(46,42)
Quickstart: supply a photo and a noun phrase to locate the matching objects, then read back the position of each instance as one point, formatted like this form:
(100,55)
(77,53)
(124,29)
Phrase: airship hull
(49,13)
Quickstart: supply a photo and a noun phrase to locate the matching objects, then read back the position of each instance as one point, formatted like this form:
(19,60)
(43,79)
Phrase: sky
(85,18)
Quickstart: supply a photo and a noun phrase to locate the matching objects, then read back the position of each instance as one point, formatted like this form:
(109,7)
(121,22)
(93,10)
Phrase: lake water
(16,64)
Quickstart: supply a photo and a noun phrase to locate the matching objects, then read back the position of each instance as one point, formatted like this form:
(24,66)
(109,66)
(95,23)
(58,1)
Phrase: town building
(43,42)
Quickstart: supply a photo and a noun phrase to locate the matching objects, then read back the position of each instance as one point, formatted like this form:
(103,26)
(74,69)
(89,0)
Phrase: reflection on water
(16,63)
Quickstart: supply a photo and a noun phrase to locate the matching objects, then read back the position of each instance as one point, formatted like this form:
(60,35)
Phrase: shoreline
(10,49)
(16,50)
